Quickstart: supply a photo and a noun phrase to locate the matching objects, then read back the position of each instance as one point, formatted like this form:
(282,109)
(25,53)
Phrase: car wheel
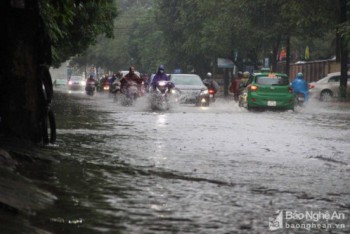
(326,95)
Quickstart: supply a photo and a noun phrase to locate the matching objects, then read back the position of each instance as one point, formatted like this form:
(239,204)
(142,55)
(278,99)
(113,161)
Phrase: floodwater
(216,169)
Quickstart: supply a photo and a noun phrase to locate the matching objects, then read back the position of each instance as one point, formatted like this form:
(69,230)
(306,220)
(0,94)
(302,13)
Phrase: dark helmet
(161,68)
(239,74)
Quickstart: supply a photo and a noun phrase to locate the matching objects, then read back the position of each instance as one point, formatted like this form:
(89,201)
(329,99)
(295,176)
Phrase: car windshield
(275,80)
(76,78)
(186,80)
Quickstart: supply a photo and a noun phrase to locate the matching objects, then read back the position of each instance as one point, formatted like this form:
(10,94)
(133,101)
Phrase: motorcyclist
(131,76)
(160,75)
(245,78)
(114,83)
(299,85)
(89,82)
(210,83)
(235,85)
(90,79)
(104,80)
(114,77)
(145,79)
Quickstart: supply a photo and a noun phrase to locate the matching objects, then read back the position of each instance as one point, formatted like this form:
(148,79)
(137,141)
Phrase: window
(334,79)
(272,81)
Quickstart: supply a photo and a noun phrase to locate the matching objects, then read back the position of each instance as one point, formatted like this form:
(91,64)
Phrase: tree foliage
(74,25)
(191,34)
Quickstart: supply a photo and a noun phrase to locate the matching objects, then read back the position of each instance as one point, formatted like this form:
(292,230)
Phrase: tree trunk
(24,59)
(275,50)
(287,55)
(343,52)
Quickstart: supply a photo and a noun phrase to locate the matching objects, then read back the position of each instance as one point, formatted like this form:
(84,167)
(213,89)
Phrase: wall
(313,70)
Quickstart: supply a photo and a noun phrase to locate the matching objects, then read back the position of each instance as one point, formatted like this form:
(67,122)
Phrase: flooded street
(216,169)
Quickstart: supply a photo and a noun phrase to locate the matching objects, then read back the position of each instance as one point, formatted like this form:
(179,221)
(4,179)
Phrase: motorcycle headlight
(83,83)
(174,91)
(162,83)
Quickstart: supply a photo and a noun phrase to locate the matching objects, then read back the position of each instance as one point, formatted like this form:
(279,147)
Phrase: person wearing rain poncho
(300,86)
(160,75)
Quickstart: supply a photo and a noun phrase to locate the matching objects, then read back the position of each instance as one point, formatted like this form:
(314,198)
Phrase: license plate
(271,103)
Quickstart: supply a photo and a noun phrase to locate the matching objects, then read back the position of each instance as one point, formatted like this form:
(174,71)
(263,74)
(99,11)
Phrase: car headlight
(204,92)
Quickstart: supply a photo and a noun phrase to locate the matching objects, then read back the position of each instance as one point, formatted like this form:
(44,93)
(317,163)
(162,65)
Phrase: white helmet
(209,74)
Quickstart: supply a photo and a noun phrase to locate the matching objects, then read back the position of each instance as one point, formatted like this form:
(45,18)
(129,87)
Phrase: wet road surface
(216,169)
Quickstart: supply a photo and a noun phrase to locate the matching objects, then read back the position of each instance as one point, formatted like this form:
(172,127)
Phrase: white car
(76,83)
(327,87)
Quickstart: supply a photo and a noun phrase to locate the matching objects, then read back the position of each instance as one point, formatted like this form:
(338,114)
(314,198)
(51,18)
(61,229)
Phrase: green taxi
(267,90)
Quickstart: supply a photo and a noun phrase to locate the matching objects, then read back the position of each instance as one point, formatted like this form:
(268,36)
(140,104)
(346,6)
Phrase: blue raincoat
(300,86)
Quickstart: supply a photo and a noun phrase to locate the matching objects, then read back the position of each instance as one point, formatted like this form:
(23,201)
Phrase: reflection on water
(219,169)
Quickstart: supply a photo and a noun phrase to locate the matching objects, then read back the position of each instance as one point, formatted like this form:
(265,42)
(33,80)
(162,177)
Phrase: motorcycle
(161,95)
(90,88)
(211,89)
(115,89)
(103,86)
(131,93)
(211,95)
(299,99)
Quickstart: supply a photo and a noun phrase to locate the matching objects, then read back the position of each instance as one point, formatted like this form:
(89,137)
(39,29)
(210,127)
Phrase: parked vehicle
(76,83)
(160,97)
(267,90)
(327,87)
(59,83)
(191,89)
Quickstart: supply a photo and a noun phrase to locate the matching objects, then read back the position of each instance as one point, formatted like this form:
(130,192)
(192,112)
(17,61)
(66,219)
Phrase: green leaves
(74,25)
(193,33)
